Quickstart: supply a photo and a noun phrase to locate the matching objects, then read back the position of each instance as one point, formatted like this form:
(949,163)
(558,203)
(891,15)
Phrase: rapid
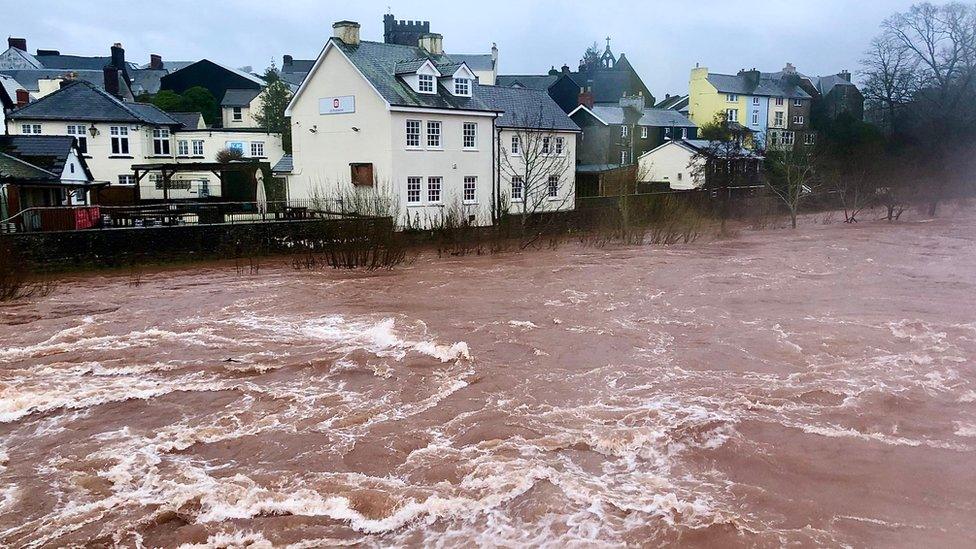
(810,387)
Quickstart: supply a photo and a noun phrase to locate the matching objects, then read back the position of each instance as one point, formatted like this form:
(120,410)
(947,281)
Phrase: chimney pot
(118,56)
(565,69)
(23,97)
(19,43)
(347,32)
(287,61)
(155,61)
(432,43)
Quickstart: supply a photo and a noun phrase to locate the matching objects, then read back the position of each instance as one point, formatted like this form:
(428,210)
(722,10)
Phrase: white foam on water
(968,396)
(527,324)
(965,429)
(836,431)
(232,540)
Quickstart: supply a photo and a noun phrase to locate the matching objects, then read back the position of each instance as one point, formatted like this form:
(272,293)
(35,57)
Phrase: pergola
(168,169)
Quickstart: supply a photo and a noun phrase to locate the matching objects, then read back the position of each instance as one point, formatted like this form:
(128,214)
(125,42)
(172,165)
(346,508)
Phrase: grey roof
(769,85)
(674,102)
(43,152)
(404,67)
(614,114)
(597,168)
(189,120)
(28,78)
(526,109)
(146,80)
(378,61)
(302,66)
(530,81)
(285,165)
(238,98)
(293,78)
(475,61)
(825,84)
(171,66)
(700,144)
(81,100)
(77,62)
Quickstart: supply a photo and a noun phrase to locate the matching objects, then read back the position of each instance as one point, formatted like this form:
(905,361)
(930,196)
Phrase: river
(811,387)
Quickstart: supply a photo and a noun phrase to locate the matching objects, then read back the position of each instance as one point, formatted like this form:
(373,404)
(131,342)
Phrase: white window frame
(684,133)
(731,98)
(798,119)
(779,101)
(755,100)
(197,147)
(624,131)
(732,115)
(237,114)
(778,119)
(667,133)
(516,146)
(435,140)
(546,145)
(643,132)
(518,183)
(470,190)
(417,136)
(624,157)
(462,87)
(435,189)
(160,142)
(788,138)
(810,138)
(469,136)
(182,147)
(797,102)
(127,179)
(30,129)
(755,118)
(415,189)
(79,132)
(560,146)
(257,149)
(120,140)
(426,83)
(552,187)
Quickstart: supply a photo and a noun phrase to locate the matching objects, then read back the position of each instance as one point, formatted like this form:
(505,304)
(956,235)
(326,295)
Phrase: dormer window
(462,86)
(425,83)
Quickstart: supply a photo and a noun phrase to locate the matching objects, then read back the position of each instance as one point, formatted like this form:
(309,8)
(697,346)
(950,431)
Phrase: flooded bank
(811,387)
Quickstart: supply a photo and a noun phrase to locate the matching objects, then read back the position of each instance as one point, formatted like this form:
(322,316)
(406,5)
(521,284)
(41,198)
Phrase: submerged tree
(725,164)
(792,176)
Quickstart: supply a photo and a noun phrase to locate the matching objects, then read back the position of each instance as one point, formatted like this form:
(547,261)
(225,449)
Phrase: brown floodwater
(814,387)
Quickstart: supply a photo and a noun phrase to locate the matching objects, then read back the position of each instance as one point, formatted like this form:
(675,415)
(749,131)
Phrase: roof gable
(82,101)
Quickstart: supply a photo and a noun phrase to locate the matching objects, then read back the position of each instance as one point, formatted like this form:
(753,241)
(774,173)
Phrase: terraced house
(414,124)
(773,109)
(113,135)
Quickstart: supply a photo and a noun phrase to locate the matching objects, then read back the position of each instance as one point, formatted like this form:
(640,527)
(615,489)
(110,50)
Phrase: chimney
(494,53)
(287,61)
(586,98)
(118,56)
(789,69)
(19,43)
(64,83)
(553,71)
(751,76)
(347,32)
(44,53)
(23,97)
(156,62)
(111,77)
(845,74)
(565,69)
(432,43)
(635,102)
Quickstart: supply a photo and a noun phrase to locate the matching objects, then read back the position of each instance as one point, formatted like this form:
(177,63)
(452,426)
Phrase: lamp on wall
(93,130)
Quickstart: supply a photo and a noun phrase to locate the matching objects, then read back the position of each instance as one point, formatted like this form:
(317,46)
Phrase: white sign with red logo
(343,104)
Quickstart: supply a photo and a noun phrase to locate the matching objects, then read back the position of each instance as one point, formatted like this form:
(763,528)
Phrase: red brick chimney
(156,61)
(111,78)
(586,98)
(23,97)
(19,43)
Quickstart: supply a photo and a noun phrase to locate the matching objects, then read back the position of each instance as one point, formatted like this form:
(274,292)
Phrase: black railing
(167,214)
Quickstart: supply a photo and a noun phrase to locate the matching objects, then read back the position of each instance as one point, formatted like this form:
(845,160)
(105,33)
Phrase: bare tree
(536,166)
(940,42)
(792,176)
(891,76)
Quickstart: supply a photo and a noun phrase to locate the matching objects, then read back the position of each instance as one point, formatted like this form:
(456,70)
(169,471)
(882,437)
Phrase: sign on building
(343,104)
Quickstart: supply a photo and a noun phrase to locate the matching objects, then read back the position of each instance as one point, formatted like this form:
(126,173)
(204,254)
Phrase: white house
(411,124)
(114,135)
(678,164)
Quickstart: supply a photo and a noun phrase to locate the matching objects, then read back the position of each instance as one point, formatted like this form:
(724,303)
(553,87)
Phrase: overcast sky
(663,40)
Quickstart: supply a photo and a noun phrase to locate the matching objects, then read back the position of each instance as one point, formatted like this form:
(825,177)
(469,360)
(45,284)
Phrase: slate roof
(285,165)
(700,144)
(825,84)
(609,85)
(8,91)
(405,67)
(525,109)
(43,152)
(12,168)
(673,102)
(378,61)
(530,81)
(614,114)
(81,100)
(302,66)
(28,78)
(146,80)
(189,120)
(475,61)
(238,98)
(768,85)
(293,78)
(77,62)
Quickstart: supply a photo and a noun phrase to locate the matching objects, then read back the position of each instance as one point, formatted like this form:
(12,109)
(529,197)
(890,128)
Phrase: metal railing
(169,214)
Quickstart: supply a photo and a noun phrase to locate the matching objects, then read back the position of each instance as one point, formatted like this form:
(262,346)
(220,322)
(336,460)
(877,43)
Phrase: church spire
(608,60)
